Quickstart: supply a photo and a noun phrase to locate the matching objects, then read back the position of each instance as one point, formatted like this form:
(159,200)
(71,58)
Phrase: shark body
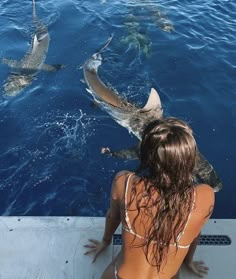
(126,114)
(24,71)
(135,119)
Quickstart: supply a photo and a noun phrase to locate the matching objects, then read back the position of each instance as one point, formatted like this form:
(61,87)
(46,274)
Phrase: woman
(160,210)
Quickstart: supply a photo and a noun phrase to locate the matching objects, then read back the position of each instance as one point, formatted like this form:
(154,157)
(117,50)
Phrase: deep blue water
(51,133)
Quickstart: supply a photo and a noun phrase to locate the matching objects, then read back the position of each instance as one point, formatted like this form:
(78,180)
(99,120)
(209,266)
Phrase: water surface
(51,132)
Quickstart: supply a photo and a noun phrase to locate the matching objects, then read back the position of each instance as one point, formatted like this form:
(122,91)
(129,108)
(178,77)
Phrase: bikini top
(129,229)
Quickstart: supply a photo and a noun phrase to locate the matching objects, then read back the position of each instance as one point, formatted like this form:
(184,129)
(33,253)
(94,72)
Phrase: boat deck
(52,247)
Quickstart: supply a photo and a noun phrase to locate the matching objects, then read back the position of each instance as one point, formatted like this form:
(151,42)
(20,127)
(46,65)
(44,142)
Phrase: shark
(134,118)
(156,16)
(160,19)
(25,70)
(125,113)
(136,38)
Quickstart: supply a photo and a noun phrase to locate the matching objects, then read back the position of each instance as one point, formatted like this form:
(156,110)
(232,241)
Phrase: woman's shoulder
(119,181)
(204,198)
(122,175)
(204,189)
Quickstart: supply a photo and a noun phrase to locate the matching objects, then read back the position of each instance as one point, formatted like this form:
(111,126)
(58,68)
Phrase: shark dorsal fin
(154,101)
(35,39)
(34,42)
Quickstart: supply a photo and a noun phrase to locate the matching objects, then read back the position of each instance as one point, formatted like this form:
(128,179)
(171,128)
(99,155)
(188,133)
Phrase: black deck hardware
(205,239)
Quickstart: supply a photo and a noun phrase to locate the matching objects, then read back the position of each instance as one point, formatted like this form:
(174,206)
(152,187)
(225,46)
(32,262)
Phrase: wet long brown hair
(167,159)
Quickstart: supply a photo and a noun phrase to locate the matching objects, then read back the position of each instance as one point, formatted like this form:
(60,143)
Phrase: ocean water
(52,131)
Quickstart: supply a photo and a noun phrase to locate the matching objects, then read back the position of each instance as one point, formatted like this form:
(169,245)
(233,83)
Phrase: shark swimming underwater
(135,37)
(24,71)
(134,118)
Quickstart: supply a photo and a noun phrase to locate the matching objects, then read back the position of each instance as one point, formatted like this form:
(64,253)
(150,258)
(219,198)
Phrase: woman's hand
(197,267)
(96,247)
(106,150)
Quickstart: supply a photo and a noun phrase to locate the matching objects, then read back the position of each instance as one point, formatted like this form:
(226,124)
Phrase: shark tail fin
(154,102)
(106,44)
(97,53)
(34,10)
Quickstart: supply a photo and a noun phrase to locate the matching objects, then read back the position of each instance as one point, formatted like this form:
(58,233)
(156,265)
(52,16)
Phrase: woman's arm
(111,224)
(112,221)
(197,267)
(205,200)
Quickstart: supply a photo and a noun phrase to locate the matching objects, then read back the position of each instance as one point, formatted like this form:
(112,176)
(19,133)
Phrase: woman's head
(168,152)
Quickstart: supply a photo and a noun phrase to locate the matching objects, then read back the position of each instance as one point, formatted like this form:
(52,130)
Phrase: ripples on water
(51,133)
